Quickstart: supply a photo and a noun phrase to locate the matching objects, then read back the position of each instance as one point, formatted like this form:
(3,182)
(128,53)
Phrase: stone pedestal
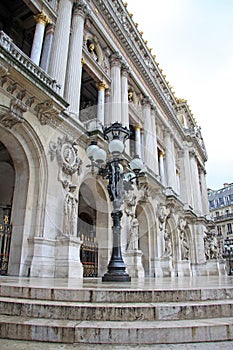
(212,267)
(166,266)
(42,264)
(158,272)
(68,262)
(183,268)
(223,267)
(133,261)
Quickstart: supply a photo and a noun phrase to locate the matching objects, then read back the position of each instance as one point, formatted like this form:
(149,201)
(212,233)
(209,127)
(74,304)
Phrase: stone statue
(184,247)
(133,234)
(70,212)
(167,244)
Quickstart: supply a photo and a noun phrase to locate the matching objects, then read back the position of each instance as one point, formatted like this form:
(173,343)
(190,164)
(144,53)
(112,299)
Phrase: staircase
(116,315)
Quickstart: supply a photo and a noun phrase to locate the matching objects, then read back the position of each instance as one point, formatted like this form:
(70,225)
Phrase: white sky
(193,42)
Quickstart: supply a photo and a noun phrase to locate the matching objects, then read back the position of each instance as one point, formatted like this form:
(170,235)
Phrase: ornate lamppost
(228,253)
(120,175)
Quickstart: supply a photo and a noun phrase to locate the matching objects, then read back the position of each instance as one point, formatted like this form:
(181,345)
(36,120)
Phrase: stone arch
(95,200)
(29,196)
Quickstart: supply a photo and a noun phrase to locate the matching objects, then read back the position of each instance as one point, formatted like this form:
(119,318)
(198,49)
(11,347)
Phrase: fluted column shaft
(154,140)
(161,168)
(204,193)
(100,106)
(138,146)
(116,88)
(74,66)
(185,178)
(170,160)
(124,96)
(59,53)
(150,142)
(41,21)
(47,46)
(195,183)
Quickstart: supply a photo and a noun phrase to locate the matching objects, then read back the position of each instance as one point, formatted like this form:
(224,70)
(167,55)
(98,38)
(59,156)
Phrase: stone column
(195,183)
(100,107)
(204,193)
(124,96)
(170,160)
(150,147)
(185,178)
(107,109)
(154,137)
(59,52)
(138,148)
(41,21)
(161,168)
(47,46)
(74,65)
(116,87)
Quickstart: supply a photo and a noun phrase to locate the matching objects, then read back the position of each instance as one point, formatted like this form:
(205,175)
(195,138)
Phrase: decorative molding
(66,152)
(46,111)
(14,114)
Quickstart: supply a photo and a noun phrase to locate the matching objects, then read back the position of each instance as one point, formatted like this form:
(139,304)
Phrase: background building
(66,69)
(221,209)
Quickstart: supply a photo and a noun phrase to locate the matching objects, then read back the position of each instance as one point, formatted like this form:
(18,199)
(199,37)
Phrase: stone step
(115,311)
(118,332)
(117,295)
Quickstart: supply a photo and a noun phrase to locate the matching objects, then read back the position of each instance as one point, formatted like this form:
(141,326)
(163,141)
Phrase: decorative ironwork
(5,240)
(89,256)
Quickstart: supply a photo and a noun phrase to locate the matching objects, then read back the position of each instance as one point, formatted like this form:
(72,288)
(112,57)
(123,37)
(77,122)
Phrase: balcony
(223,217)
(16,61)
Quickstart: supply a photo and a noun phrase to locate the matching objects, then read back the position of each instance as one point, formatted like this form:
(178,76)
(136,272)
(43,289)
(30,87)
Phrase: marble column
(185,178)
(59,52)
(74,65)
(150,147)
(161,168)
(41,21)
(170,160)
(124,96)
(195,183)
(138,148)
(100,106)
(116,62)
(47,46)
(204,193)
(154,137)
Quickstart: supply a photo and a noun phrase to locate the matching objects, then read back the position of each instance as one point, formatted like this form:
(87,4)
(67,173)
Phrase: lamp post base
(116,277)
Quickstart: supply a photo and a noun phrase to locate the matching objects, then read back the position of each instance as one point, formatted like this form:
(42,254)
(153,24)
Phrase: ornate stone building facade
(67,68)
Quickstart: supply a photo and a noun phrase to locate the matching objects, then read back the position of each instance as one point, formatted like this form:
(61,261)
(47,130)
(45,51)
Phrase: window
(219,228)
(229,229)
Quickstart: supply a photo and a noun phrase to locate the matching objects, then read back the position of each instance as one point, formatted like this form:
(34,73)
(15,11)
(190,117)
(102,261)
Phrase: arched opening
(7,183)
(93,227)
(87,232)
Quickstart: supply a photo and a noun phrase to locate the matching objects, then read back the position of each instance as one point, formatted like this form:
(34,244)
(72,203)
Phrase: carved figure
(133,234)
(167,244)
(70,213)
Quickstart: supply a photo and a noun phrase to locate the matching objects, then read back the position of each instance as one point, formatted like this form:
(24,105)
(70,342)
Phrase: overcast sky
(193,42)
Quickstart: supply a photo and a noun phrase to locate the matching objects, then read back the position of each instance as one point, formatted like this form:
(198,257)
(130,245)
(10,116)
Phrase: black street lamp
(228,253)
(120,175)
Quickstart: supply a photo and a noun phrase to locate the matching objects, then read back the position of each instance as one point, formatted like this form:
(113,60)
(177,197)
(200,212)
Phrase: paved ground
(6,344)
(160,283)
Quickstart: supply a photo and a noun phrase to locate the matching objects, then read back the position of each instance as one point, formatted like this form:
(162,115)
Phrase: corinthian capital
(116,59)
(81,8)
